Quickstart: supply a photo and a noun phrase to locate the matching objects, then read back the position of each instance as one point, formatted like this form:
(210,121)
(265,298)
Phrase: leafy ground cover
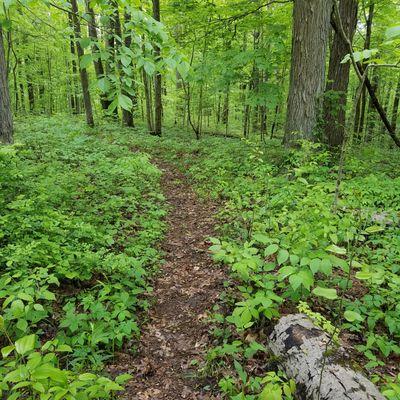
(82,214)
(289,247)
(80,218)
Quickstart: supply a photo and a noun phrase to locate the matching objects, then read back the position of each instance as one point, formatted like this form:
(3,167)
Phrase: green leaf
(85,60)
(64,348)
(46,371)
(315,265)
(22,325)
(125,60)
(286,271)
(304,278)
(283,256)
(352,316)
(326,266)
(125,102)
(120,379)
(393,32)
(363,275)
(47,295)
(25,344)
(85,42)
(149,67)
(271,249)
(261,238)
(329,294)
(87,377)
(25,296)
(104,84)
(374,229)
(5,351)
(336,249)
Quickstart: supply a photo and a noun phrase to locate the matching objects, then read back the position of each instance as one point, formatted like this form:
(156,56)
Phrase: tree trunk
(97,63)
(360,110)
(396,106)
(371,121)
(255,80)
(311,19)
(149,104)
(6,121)
(50,83)
(275,120)
(338,77)
(301,348)
(74,95)
(158,79)
(82,71)
(127,115)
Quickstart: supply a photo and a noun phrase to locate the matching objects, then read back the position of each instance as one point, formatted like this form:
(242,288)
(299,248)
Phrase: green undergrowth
(288,243)
(81,216)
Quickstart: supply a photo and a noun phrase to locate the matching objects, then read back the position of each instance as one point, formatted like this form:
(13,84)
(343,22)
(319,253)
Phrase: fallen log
(300,348)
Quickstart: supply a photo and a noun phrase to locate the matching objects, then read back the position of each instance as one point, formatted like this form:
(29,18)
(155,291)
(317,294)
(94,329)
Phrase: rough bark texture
(6,122)
(338,77)
(157,79)
(301,347)
(82,71)
(311,22)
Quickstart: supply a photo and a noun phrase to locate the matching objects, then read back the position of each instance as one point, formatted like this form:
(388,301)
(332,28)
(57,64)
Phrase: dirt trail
(186,289)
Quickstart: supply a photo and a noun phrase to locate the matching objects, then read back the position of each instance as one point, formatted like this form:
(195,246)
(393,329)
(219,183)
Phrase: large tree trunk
(6,122)
(301,349)
(82,71)
(338,77)
(311,19)
(158,79)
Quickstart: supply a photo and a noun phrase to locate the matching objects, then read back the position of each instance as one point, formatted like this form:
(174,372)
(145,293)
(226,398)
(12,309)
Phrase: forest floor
(176,338)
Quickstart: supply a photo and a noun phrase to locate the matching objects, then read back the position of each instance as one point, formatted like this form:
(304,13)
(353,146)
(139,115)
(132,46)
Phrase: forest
(200,199)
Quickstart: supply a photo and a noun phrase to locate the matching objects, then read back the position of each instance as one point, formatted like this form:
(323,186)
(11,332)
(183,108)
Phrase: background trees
(209,67)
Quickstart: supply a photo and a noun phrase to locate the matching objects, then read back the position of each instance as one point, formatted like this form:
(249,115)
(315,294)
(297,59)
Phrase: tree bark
(158,79)
(6,121)
(396,106)
(371,121)
(127,115)
(74,95)
(301,349)
(82,71)
(338,77)
(311,19)
(149,103)
(360,110)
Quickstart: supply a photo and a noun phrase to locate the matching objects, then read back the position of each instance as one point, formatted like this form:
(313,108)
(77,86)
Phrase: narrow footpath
(187,287)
